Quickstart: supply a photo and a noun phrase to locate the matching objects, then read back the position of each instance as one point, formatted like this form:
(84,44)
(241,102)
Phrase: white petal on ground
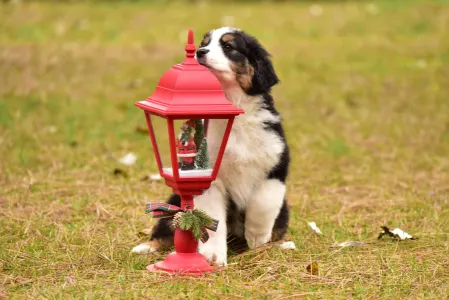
(314,227)
(129,159)
(287,245)
(402,234)
(350,244)
(155,177)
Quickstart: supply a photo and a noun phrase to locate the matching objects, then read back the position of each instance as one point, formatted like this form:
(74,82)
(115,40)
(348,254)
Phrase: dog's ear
(264,75)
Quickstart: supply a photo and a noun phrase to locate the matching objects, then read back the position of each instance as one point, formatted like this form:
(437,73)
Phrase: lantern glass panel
(161,136)
(196,153)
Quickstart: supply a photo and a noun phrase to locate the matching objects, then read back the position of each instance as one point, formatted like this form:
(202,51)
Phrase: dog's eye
(227,46)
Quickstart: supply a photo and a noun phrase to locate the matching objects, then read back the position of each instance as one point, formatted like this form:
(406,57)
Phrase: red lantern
(191,94)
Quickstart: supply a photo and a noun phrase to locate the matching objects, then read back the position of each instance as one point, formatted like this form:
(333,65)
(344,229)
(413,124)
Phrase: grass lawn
(365,99)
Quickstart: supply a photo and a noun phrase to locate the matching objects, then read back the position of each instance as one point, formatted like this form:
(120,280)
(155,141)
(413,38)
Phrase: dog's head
(237,58)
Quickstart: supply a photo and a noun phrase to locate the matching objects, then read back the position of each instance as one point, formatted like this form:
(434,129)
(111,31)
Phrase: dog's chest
(251,152)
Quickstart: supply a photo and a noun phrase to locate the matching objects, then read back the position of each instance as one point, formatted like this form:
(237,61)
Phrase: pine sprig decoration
(203,217)
(187,221)
(176,218)
(193,221)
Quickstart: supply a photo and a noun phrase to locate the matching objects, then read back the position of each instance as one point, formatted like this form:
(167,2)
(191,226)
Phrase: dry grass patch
(365,103)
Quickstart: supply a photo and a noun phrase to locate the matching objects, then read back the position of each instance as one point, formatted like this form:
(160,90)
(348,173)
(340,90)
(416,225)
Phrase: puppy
(248,196)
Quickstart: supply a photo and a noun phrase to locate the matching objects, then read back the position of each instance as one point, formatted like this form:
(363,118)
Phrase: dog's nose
(201,52)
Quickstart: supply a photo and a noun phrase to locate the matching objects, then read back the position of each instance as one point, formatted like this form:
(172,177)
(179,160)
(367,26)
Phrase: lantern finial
(190,37)
(190,47)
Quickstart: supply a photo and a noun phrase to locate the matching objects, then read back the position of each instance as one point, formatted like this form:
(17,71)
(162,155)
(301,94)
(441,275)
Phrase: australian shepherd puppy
(248,196)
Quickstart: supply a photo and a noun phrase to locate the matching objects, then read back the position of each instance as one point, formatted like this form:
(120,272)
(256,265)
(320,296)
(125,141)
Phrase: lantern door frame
(175,180)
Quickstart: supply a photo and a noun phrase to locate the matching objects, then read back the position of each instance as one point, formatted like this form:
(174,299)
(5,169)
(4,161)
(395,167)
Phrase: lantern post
(190,95)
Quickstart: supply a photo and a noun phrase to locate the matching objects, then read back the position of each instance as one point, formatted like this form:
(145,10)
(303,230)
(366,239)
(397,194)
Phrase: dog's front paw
(215,253)
(145,248)
(256,240)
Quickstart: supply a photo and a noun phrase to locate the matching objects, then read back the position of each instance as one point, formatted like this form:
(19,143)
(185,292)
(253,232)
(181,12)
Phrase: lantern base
(183,264)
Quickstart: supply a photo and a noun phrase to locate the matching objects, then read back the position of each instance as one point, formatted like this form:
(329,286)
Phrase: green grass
(365,100)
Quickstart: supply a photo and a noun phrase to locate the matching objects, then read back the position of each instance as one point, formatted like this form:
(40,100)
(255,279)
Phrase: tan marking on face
(206,40)
(227,38)
(244,73)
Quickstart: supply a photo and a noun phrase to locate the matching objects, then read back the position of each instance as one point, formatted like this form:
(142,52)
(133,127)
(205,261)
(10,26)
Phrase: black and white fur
(248,196)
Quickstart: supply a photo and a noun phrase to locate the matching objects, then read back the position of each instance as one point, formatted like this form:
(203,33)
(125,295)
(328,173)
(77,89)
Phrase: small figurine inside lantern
(193,155)
(192,146)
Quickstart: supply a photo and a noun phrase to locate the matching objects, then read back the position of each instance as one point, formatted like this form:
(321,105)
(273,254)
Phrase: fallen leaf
(129,159)
(313,268)
(120,172)
(287,245)
(396,234)
(315,228)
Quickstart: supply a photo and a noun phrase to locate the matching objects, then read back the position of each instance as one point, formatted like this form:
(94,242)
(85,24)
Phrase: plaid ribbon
(165,210)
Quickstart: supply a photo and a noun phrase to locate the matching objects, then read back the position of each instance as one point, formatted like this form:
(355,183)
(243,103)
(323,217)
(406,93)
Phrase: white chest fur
(251,151)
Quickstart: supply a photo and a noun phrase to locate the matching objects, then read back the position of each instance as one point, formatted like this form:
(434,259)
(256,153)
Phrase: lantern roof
(189,89)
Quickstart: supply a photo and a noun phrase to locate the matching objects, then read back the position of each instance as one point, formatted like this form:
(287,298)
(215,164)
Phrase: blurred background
(363,93)
(362,82)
